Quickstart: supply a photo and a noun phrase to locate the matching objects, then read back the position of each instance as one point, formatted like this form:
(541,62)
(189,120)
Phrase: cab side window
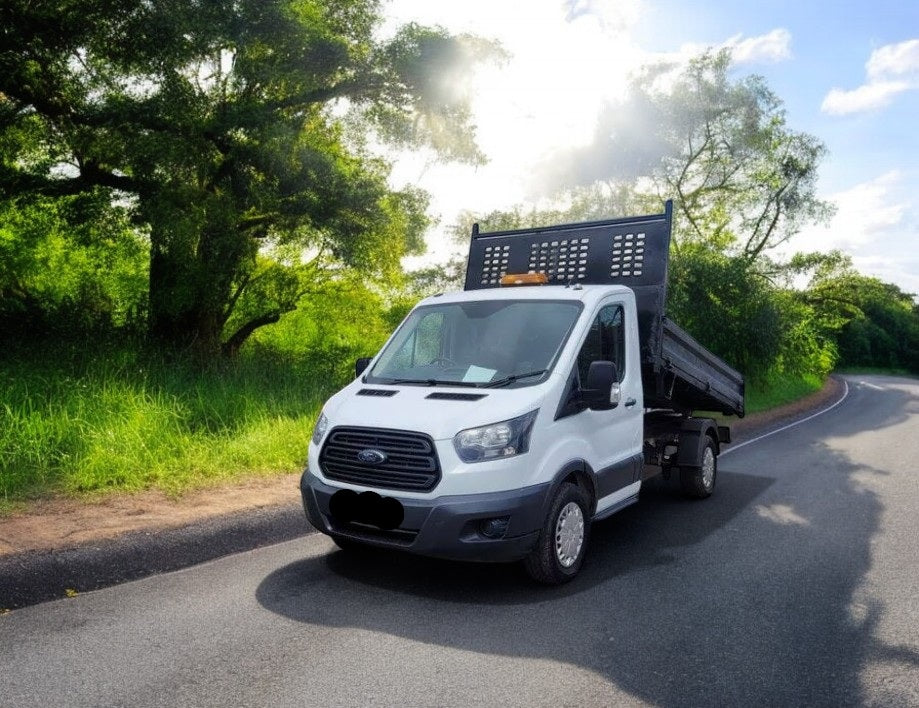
(605,342)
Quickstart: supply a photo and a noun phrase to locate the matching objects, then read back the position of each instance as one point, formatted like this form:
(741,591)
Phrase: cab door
(616,434)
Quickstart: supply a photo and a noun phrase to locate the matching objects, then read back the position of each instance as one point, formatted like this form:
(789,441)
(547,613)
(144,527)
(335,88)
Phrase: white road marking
(791,425)
(871,385)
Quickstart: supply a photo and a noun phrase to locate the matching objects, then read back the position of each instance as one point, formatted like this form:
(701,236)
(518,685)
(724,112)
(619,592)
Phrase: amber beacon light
(524,279)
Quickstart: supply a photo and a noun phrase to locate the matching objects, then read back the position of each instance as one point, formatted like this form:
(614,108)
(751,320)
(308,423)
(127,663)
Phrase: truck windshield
(499,342)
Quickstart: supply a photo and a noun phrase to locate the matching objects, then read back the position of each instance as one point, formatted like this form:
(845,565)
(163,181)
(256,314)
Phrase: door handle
(630,402)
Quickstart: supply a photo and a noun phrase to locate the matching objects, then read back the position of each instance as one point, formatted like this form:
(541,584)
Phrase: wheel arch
(694,434)
(579,473)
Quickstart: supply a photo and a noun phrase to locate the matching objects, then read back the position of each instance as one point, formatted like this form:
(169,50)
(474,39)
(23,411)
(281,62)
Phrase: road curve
(796,584)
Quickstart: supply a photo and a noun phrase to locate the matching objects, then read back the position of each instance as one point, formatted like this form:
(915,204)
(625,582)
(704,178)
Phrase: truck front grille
(411,461)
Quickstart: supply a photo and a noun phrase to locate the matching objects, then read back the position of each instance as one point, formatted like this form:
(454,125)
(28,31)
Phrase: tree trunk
(188,297)
(179,319)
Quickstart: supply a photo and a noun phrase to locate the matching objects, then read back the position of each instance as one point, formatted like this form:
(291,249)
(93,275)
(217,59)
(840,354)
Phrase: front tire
(699,482)
(562,542)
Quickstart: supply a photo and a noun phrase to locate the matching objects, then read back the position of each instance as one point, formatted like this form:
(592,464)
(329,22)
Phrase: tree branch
(232,345)
(13,182)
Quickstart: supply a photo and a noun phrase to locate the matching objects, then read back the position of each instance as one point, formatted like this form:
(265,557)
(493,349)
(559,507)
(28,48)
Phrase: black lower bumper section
(448,527)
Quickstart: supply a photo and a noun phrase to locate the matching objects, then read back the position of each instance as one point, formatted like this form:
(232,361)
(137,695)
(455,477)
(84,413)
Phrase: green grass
(75,421)
(779,390)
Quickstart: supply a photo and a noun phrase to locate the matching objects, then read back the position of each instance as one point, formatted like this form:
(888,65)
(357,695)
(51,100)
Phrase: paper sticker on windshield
(479,374)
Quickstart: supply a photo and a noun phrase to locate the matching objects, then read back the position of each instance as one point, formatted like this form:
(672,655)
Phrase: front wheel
(699,482)
(562,542)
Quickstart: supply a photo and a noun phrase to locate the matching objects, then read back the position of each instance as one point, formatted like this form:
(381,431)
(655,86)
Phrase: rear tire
(562,542)
(699,482)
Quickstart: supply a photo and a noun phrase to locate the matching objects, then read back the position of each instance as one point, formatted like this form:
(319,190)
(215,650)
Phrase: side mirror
(361,365)
(602,389)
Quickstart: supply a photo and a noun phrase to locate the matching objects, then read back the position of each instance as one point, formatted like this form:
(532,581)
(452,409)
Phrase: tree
(68,265)
(874,323)
(740,177)
(221,125)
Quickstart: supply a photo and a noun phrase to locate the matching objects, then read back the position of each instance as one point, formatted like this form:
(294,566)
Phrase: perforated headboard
(633,251)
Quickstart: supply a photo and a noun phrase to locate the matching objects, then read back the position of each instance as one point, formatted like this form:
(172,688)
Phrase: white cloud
(769,48)
(772,47)
(890,70)
(903,273)
(866,213)
(865,98)
(894,60)
(873,225)
(613,14)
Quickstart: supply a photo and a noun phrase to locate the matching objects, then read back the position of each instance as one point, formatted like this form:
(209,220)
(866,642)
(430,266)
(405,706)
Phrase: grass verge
(81,421)
(779,390)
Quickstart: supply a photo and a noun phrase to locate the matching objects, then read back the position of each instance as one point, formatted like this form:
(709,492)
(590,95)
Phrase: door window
(605,342)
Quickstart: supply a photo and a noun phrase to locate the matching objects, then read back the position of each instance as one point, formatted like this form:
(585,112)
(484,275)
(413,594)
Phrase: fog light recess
(494,528)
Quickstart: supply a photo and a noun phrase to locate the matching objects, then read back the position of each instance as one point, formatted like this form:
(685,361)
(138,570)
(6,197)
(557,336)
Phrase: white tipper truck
(497,423)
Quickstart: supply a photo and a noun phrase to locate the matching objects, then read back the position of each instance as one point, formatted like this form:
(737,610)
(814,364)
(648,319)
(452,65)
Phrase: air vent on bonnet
(377,392)
(446,396)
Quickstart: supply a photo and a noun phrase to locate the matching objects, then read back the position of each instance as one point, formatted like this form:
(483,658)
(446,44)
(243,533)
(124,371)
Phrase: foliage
(220,125)
(740,176)
(886,333)
(778,389)
(741,179)
(723,301)
(436,278)
(85,419)
(340,322)
(69,264)
(600,200)
(720,301)
(87,415)
(875,323)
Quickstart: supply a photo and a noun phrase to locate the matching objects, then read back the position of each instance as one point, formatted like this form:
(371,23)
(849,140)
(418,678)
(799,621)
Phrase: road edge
(32,577)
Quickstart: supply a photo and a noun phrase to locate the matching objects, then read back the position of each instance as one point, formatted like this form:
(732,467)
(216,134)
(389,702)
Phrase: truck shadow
(644,535)
(750,597)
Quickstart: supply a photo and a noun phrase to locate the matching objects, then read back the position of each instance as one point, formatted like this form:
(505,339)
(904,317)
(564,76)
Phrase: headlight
(321,426)
(504,439)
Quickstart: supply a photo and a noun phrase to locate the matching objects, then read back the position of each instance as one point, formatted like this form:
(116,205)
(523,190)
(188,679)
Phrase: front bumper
(446,527)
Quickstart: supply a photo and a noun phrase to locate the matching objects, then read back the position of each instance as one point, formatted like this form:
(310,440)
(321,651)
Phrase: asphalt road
(796,584)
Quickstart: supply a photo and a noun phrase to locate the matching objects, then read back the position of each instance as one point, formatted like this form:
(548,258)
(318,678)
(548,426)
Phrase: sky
(848,73)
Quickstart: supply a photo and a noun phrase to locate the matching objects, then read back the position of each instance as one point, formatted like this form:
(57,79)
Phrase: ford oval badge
(371,457)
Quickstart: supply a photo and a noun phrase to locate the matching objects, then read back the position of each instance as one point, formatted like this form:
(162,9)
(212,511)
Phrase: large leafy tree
(740,175)
(719,145)
(229,129)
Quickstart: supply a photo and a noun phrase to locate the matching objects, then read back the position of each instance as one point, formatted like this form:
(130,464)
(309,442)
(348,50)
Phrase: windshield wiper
(430,382)
(513,377)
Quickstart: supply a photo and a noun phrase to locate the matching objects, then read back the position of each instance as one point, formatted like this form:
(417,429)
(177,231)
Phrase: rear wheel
(562,542)
(699,482)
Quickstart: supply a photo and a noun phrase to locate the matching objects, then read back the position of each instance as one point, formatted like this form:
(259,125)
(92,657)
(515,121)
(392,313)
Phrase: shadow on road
(745,598)
(642,536)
